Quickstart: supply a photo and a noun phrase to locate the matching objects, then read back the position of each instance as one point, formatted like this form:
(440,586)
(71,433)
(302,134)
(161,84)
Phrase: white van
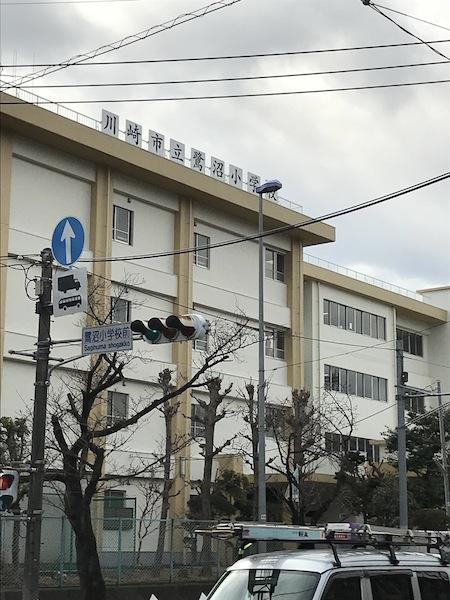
(339,571)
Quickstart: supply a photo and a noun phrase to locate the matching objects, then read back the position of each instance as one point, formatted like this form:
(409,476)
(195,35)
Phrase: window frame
(412,342)
(199,257)
(272,338)
(112,418)
(345,575)
(274,264)
(201,345)
(353,319)
(115,300)
(198,428)
(354,383)
(129,233)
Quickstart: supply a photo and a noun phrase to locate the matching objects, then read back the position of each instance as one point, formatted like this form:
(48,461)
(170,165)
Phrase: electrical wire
(229,96)
(377,10)
(398,12)
(124,42)
(283,229)
(222,57)
(227,79)
(54,2)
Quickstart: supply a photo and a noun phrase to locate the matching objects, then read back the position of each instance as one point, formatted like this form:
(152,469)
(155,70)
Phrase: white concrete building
(332,329)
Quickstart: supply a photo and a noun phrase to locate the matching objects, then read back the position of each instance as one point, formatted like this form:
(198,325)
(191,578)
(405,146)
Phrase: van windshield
(266,584)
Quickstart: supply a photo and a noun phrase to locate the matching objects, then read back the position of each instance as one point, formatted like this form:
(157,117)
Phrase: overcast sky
(329,150)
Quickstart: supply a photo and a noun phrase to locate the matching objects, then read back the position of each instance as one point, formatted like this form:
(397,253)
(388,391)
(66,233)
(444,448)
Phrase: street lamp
(266,188)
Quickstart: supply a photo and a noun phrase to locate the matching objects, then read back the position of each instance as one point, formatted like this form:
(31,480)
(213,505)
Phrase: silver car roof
(320,561)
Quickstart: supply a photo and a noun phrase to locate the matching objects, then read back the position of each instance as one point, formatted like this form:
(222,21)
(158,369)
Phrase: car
(342,568)
(313,575)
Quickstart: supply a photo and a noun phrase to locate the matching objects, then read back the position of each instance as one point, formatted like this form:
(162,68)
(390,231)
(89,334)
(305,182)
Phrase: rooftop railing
(320,262)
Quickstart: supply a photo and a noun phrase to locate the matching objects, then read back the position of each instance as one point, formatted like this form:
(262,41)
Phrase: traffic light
(172,329)
(9,488)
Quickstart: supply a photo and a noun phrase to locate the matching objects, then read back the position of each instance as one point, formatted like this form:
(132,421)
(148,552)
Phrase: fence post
(119,554)
(218,557)
(171,551)
(62,553)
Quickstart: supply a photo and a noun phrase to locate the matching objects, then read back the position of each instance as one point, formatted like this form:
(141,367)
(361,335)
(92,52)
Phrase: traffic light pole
(30,590)
(401,443)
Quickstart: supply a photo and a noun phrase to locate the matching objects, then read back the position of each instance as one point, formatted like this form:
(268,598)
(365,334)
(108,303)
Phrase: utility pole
(30,590)
(443,451)
(402,378)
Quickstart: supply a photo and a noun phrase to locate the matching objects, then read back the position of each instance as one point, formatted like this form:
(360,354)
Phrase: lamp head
(273,185)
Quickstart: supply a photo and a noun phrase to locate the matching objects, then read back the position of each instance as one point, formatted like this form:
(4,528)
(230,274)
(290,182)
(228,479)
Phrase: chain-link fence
(130,550)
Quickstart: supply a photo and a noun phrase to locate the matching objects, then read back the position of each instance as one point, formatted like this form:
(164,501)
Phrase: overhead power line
(399,12)
(221,57)
(126,41)
(283,229)
(41,2)
(225,79)
(380,12)
(230,96)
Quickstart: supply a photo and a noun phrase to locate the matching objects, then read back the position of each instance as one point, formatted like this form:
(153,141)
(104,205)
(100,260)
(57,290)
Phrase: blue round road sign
(68,241)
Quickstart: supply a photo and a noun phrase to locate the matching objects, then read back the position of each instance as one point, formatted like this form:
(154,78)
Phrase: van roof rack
(334,535)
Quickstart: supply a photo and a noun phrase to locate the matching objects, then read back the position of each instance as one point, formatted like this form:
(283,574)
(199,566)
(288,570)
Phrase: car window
(434,585)
(391,587)
(266,584)
(344,588)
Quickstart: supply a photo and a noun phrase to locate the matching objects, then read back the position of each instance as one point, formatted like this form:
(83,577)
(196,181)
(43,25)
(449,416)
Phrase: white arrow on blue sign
(68,241)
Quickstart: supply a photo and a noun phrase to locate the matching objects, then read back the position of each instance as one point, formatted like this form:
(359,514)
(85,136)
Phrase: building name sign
(105,339)
(177,153)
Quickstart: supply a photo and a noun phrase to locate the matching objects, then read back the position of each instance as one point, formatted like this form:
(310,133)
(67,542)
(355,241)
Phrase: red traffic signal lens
(177,323)
(6,481)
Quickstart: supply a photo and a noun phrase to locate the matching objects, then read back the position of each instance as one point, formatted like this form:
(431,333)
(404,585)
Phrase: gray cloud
(330,150)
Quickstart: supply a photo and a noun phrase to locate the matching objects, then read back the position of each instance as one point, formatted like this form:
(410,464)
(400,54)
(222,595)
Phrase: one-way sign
(69,292)
(68,241)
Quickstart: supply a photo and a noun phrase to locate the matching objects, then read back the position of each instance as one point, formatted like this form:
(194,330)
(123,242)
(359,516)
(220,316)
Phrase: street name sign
(69,292)
(68,241)
(105,339)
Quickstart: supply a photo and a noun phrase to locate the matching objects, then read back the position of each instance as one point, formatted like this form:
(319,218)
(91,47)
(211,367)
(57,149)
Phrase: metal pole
(30,590)
(401,437)
(262,516)
(443,451)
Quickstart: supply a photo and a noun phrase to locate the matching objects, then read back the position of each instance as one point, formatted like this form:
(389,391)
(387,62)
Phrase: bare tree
(249,440)
(298,430)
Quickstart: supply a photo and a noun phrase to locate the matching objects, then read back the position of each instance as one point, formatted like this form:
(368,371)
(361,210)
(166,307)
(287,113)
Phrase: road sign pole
(30,590)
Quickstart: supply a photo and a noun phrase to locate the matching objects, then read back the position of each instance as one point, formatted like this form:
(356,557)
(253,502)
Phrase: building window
(275,341)
(412,342)
(351,319)
(120,310)
(355,384)
(276,421)
(116,515)
(334,442)
(197,421)
(117,407)
(201,345)
(416,405)
(274,264)
(123,225)
(201,254)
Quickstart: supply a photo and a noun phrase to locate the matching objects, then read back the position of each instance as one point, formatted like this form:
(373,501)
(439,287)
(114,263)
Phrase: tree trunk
(88,564)
(205,489)
(15,550)
(168,415)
